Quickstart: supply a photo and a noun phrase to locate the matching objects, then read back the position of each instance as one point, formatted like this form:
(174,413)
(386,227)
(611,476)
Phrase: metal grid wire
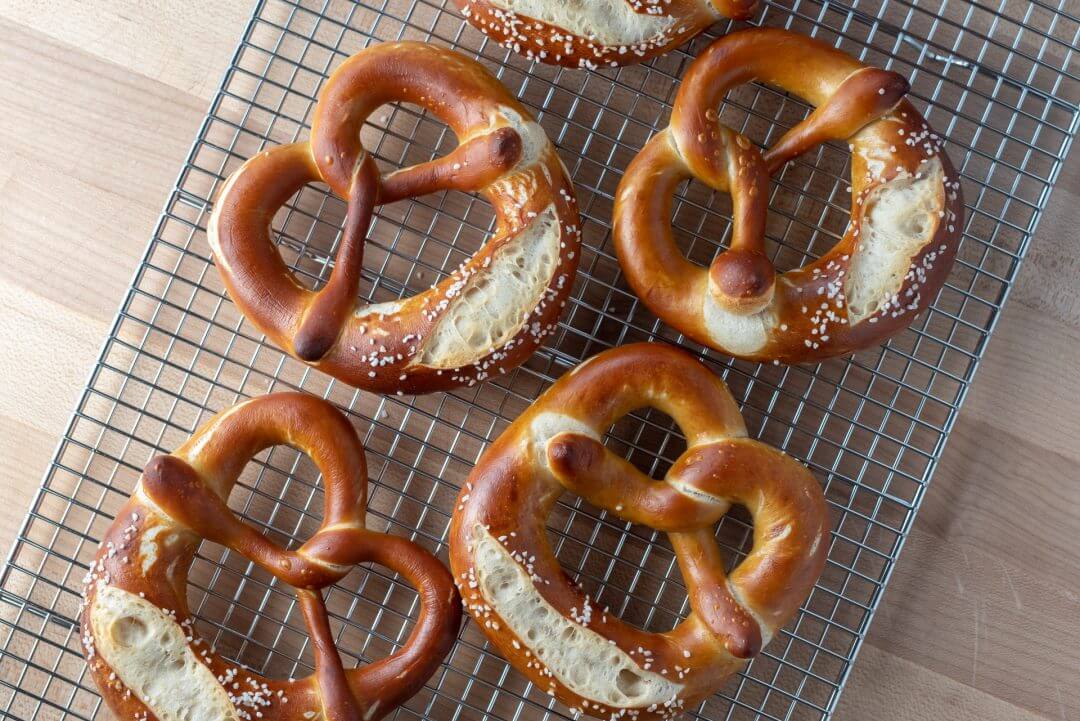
(998,79)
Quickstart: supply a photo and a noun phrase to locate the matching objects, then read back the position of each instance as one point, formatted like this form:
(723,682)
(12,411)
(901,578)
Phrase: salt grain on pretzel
(512,584)
(137,633)
(897,250)
(491,313)
(596,33)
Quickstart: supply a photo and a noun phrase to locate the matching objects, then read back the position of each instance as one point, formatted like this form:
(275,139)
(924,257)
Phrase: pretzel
(546,626)
(137,633)
(893,258)
(486,317)
(595,33)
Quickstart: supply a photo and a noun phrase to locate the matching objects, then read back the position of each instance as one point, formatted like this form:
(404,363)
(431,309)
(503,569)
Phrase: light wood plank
(965,613)
(21,480)
(89,152)
(184,45)
(893,688)
(83,118)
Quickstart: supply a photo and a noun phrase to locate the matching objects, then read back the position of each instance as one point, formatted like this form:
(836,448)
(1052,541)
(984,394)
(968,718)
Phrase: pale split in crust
(890,263)
(596,33)
(138,637)
(491,313)
(556,634)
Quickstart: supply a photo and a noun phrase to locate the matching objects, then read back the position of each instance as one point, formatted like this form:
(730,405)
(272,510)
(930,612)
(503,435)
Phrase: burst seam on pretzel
(595,33)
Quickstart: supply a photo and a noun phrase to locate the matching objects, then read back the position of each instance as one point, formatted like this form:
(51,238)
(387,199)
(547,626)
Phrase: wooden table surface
(100,101)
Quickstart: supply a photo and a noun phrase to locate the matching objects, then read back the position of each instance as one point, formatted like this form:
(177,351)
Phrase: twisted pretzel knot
(545,625)
(592,33)
(137,631)
(893,258)
(491,313)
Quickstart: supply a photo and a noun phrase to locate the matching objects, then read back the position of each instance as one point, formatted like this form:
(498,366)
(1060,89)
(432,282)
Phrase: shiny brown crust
(517,481)
(380,348)
(183,495)
(888,139)
(539,39)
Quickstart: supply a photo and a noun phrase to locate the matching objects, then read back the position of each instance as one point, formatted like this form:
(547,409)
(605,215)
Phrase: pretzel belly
(483,316)
(608,22)
(578,657)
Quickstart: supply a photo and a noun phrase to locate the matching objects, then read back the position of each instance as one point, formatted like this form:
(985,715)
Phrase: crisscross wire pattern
(999,80)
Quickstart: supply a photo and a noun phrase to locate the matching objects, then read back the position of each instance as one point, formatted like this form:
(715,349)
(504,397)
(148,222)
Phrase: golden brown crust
(555,446)
(504,155)
(545,40)
(181,499)
(806,314)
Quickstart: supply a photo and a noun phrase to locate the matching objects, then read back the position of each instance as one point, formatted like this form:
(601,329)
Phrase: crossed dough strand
(513,585)
(138,636)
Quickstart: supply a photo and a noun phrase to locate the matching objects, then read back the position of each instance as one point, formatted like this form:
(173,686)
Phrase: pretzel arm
(863,97)
(339,703)
(397,677)
(743,278)
(175,487)
(702,567)
(325,316)
(585,467)
(476,163)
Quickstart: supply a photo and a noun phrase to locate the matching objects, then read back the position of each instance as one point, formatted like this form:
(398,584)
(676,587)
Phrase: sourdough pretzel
(546,626)
(893,258)
(137,633)
(491,313)
(593,33)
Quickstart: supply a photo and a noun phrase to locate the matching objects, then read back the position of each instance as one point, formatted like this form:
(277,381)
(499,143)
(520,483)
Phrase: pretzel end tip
(742,281)
(743,646)
(897,87)
(737,9)
(312,343)
(506,148)
(165,468)
(570,454)
(891,88)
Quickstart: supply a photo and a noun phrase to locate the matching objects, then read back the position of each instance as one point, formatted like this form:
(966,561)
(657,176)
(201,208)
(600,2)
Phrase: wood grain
(101,102)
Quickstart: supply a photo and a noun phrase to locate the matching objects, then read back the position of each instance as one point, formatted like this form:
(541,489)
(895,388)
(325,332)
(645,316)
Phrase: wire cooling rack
(999,80)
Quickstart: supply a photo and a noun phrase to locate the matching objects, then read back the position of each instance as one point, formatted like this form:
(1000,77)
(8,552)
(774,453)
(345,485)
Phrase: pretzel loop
(182,499)
(491,313)
(894,256)
(549,628)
